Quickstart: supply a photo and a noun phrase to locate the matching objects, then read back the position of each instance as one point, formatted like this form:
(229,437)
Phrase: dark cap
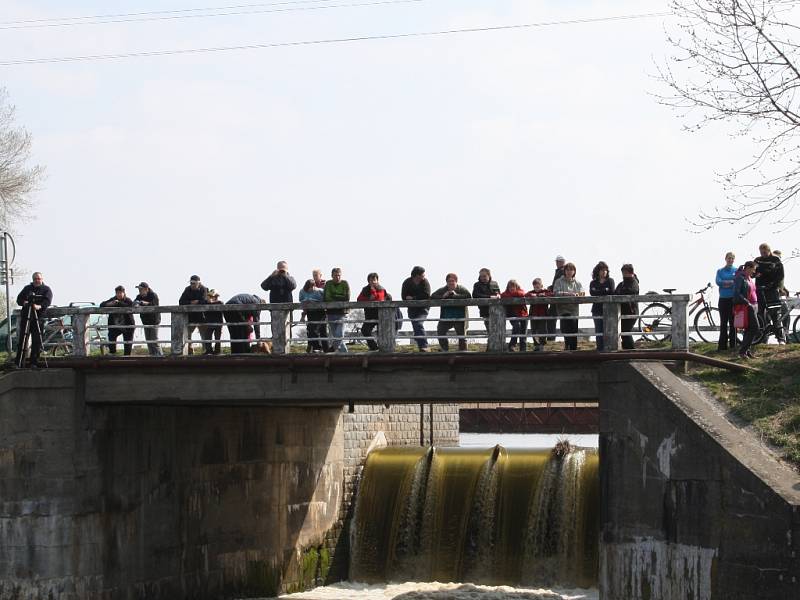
(119,288)
(143,285)
(194,278)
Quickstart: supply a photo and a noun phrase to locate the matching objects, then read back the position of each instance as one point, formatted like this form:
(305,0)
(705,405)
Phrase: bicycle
(784,317)
(655,320)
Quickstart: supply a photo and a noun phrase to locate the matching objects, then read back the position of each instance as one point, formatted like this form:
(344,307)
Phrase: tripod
(28,330)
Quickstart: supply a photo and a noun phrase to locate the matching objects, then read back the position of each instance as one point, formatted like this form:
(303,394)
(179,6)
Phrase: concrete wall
(175,502)
(694,508)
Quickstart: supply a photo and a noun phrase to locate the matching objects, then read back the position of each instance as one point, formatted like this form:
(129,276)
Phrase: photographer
(279,284)
(120,323)
(34,300)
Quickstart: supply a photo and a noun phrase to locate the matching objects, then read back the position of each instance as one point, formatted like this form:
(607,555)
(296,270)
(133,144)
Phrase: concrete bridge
(191,477)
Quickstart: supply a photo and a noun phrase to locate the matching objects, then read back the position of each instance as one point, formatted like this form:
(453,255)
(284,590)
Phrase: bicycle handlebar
(703,291)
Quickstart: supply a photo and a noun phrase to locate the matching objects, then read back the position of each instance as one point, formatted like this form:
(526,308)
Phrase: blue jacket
(725,277)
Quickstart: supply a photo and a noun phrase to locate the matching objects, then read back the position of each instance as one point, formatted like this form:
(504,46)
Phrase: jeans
(518,328)
(336,328)
(151,335)
(419,327)
(444,326)
(569,324)
(598,329)
(727,332)
(127,335)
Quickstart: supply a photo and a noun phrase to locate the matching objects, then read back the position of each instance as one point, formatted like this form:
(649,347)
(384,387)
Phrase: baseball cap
(194,278)
(559,257)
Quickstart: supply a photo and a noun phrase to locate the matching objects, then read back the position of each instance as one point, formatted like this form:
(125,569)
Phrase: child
(537,311)
(517,314)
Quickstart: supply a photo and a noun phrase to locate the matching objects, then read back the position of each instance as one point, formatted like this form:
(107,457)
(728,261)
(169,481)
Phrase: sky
(494,149)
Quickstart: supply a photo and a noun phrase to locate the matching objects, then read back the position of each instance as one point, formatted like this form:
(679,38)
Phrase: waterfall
(493,516)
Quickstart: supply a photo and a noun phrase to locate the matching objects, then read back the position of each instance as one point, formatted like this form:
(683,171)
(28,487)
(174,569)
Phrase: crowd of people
(754,288)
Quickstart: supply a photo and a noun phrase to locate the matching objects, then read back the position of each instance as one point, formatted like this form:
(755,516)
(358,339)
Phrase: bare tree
(739,61)
(18,180)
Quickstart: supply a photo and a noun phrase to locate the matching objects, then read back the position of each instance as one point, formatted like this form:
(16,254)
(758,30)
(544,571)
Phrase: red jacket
(538,310)
(515,310)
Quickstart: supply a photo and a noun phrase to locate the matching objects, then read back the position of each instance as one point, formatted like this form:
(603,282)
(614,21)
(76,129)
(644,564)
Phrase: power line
(163,12)
(173,17)
(365,38)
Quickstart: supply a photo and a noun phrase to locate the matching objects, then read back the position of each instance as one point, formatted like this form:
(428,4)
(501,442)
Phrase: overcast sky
(498,149)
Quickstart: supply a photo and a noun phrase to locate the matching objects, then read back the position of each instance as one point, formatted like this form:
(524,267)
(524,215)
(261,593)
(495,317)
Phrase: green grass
(767,399)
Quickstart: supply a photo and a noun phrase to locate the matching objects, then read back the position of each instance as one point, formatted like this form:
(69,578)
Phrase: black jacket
(769,272)
(201,295)
(600,289)
(629,286)
(280,287)
(152,300)
(123,319)
(485,290)
(44,296)
(417,292)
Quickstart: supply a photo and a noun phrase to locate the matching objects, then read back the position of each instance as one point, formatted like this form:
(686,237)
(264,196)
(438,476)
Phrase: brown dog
(262,348)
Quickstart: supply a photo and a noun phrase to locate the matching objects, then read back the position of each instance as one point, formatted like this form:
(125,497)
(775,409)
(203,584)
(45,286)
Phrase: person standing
(150,321)
(485,287)
(316,330)
(279,284)
(336,290)
(120,323)
(34,300)
(319,280)
(452,317)
(517,314)
(601,285)
(725,280)
(194,294)
(769,276)
(538,312)
(629,286)
(417,287)
(552,310)
(567,285)
(372,292)
(746,296)
(212,328)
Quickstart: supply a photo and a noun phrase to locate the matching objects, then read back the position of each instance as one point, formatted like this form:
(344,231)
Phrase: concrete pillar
(386,329)
(611,326)
(278,323)
(496,336)
(79,336)
(180,335)
(680,324)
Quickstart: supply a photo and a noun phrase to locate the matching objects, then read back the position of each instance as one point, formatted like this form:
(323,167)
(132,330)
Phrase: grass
(767,399)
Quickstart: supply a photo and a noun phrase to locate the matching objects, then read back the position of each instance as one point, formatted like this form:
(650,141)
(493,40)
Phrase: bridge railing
(81,331)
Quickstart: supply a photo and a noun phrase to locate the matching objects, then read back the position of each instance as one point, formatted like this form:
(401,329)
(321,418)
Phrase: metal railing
(81,330)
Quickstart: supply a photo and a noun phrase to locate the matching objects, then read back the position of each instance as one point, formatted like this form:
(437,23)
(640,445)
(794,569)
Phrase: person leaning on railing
(315,327)
(567,285)
(337,290)
(119,324)
(518,314)
(485,287)
(417,287)
(372,292)
(212,328)
(242,323)
(452,317)
(195,293)
(147,297)
(601,285)
(629,286)
(538,326)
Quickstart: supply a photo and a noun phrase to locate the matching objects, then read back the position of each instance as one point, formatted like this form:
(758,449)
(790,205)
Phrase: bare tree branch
(18,180)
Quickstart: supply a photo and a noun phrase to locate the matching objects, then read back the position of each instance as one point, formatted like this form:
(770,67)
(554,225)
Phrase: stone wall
(694,508)
(179,502)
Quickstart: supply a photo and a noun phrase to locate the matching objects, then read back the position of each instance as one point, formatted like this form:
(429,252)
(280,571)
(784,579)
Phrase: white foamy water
(437,591)
(526,440)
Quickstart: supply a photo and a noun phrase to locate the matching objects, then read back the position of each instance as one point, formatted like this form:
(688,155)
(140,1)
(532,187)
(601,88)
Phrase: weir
(492,516)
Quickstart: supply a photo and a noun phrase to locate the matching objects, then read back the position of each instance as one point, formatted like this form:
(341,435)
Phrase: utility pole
(7,278)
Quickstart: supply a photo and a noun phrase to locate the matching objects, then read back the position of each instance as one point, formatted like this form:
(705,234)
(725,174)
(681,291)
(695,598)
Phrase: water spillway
(494,516)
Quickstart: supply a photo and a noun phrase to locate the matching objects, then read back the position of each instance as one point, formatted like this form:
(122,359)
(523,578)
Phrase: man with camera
(34,300)
(279,284)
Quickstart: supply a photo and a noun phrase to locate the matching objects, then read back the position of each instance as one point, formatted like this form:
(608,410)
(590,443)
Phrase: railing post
(680,325)
(179,322)
(496,336)
(611,311)
(80,335)
(278,325)
(386,329)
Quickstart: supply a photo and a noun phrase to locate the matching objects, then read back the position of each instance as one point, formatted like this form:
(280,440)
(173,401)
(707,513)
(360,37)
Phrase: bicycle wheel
(796,329)
(706,325)
(764,330)
(655,322)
